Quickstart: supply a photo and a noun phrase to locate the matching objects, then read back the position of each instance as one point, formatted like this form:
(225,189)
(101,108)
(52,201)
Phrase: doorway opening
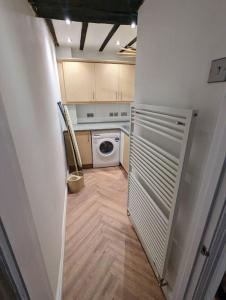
(12,286)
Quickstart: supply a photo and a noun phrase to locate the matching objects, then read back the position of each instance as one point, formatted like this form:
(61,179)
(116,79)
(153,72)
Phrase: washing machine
(106,148)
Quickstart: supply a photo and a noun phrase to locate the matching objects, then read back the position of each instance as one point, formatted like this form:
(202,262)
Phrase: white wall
(176,42)
(29,92)
(17,217)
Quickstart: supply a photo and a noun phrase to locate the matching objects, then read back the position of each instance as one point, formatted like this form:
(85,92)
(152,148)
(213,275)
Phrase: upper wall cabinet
(126,82)
(106,82)
(79,81)
(94,82)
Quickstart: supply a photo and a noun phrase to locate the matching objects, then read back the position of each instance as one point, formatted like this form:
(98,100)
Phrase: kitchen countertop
(124,126)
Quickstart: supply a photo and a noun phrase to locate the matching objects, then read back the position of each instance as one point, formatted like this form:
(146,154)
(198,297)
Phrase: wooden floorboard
(104,260)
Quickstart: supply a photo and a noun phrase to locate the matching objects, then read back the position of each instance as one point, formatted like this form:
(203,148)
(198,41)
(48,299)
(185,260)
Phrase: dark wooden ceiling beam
(83,35)
(52,31)
(82,15)
(93,11)
(129,44)
(109,36)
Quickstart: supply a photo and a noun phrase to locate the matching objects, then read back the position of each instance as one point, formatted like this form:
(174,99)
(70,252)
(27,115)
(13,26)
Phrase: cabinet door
(126,82)
(126,153)
(106,82)
(79,81)
(61,80)
(85,146)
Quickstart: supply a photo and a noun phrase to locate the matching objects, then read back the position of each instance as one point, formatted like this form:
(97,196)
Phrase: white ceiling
(96,34)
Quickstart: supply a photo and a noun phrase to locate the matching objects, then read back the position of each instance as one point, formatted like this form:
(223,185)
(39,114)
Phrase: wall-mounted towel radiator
(159,149)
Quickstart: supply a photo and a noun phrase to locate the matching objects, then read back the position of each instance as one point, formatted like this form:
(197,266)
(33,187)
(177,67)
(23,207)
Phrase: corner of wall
(61,267)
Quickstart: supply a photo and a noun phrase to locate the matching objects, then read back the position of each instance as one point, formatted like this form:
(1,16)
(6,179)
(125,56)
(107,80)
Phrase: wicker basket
(75,181)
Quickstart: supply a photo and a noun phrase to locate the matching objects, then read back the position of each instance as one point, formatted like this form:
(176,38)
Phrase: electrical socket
(90,115)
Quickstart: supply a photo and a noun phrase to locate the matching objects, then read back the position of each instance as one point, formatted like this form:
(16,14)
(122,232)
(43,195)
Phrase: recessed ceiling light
(133,25)
(69,40)
(118,43)
(68,21)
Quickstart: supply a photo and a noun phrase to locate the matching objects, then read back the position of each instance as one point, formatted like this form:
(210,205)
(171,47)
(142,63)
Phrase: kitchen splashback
(103,112)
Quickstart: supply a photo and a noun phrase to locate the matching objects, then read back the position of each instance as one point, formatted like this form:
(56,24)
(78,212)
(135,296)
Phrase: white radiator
(159,148)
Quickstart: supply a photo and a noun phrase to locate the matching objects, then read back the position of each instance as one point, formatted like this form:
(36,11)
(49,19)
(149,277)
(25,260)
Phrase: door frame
(207,190)
(214,265)
(11,267)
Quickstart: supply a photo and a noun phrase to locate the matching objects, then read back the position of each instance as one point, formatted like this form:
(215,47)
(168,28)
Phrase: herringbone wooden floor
(103,257)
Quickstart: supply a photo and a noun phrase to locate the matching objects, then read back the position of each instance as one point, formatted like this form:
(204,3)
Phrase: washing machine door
(106,147)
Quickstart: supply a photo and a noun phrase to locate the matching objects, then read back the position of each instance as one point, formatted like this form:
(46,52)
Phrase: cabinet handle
(116,95)
(121,95)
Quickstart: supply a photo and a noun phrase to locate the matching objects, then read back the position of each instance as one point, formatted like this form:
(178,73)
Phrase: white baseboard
(61,268)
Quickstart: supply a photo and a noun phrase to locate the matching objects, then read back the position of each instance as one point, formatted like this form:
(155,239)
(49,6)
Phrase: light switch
(218,70)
